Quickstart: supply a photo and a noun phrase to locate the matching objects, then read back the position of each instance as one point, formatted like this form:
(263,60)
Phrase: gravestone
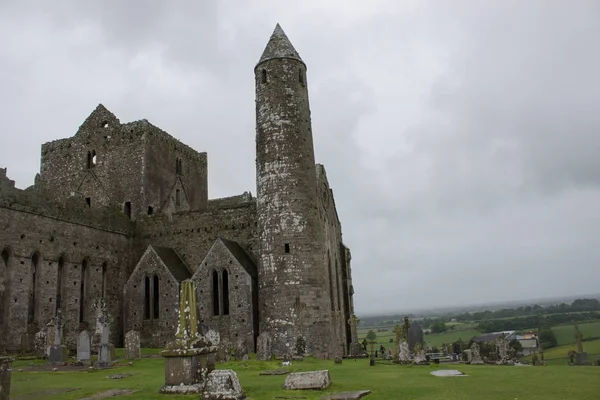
(475,355)
(581,357)
(223,385)
(355,347)
(307,380)
(132,345)
(106,349)
(40,344)
(190,357)
(403,352)
(84,346)
(503,350)
(58,351)
(5,376)
(241,350)
(263,347)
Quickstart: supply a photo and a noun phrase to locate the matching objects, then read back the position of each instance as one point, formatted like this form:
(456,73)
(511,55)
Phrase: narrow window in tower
(287,247)
(225,292)
(59,281)
(300,76)
(180,166)
(104,275)
(146,297)
(150,210)
(89,160)
(127,209)
(155,298)
(88,201)
(215,292)
(177,197)
(264,76)
(83,290)
(35,259)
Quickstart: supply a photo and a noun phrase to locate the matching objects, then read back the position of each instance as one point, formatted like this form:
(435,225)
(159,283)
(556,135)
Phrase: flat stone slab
(347,395)
(275,372)
(119,376)
(109,393)
(308,380)
(44,393)
(447,372)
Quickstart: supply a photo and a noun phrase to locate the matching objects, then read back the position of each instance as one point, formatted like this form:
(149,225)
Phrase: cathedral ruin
(120,212)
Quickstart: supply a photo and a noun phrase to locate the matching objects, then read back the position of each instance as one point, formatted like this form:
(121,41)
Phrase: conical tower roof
(279,46)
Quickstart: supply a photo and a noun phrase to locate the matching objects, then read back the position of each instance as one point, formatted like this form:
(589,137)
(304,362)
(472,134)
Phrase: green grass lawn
(387,381)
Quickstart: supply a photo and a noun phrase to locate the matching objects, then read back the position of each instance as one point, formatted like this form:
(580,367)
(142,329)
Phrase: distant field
(451,336)
(564,333)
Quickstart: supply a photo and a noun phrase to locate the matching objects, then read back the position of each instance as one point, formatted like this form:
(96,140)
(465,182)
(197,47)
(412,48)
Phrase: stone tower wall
(291,252)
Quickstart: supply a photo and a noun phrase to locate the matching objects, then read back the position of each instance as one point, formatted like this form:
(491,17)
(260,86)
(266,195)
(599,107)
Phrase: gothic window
(225,281)
(330,282)
(264,76)
(35,260)
(127,209)
(215,292)
(83,290)
(104,276)
(146,297)
(5,273)
(155,298)
(59,281)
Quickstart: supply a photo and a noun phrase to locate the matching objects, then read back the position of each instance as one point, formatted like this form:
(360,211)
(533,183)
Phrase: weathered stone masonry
(120,211)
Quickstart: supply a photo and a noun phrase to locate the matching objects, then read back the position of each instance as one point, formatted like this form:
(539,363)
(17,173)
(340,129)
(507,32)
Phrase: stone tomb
(58,352)
(84,346)
(190,357)
(318,380)
(132,345)
(5,372)
(223,385)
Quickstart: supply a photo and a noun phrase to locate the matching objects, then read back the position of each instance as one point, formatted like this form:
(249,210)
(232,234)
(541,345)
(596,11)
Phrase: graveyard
(33,379)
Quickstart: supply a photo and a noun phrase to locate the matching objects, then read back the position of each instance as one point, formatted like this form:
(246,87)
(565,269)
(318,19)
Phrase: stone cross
(58,324)
(398,331)
(578,336)
(188,319)
(353,321)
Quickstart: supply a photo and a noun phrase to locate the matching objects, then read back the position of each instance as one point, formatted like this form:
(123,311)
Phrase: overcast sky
(461,138)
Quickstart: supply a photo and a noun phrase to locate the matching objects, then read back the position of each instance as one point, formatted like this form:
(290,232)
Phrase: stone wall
(129,166)
(239,320)
(28,238)
(155,331)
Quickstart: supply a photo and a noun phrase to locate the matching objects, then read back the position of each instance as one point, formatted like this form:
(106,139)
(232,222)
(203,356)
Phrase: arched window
(215,292)
(127,209)
(155,298)
(330,283)
(225,281)
(146,297)
(59,282)
(5,275)
(83,290)
(104,277)
(35,260)
(264,76)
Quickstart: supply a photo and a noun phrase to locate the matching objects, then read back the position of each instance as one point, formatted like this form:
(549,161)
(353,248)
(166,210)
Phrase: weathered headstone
(355,347)
(84,346)
(106,350)
(58,352)
(190,357)
(503,349)
(241,350)
(132,345)
(581,358)
(5,373)
(398,332)
(264,350)
(40,344)
(357,394)
(223,385)
(475,355)
(403,352)
(308,380)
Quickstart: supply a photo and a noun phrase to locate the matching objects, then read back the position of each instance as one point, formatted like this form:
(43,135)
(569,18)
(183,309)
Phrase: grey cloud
(460,138)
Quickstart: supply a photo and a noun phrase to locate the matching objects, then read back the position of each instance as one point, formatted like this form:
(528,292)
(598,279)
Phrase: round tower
(293,299)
